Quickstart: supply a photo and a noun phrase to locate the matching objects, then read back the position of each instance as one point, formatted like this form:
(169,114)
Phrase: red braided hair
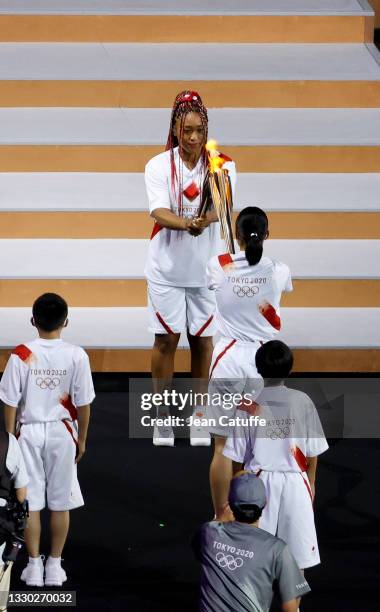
(186,102)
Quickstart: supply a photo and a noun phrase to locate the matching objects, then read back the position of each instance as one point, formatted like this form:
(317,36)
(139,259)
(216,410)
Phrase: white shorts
(173,310)
(232,371)
(49,453)
(289,514)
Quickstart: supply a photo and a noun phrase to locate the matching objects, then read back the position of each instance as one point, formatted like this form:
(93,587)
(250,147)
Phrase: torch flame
(215,162)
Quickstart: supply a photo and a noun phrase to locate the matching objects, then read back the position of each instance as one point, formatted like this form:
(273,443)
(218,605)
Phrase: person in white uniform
(47,387)
(283,453)
(180,246)
(248,288)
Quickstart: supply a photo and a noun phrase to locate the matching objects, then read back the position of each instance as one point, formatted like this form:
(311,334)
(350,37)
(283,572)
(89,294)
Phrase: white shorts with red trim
(289,514)
(173,310)
(232,372)
(49,451)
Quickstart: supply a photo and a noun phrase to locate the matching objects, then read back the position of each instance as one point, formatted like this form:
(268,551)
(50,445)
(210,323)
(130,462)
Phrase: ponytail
(252,229)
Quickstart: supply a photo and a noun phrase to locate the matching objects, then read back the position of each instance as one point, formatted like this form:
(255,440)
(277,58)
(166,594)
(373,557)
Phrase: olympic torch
(217,190)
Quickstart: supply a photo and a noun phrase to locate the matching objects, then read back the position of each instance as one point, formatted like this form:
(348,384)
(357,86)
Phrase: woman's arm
(168,219)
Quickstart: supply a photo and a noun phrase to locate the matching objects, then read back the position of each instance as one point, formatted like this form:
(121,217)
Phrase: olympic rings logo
(47,383)
(245,290)
(229,561)
(278,433)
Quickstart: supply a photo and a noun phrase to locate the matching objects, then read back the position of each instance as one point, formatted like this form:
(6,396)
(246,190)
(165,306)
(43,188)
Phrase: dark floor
(128,548)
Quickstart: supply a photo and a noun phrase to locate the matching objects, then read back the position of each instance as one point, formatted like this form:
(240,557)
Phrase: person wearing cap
(241,562)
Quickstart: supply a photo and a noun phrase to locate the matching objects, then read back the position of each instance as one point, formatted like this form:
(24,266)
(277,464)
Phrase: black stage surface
(128,549)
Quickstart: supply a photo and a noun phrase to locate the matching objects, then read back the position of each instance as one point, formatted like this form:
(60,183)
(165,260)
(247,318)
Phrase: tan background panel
(160,94)
(123,158)
(315,293)
(77,292)
(317,225)
(315,360)
(173,28)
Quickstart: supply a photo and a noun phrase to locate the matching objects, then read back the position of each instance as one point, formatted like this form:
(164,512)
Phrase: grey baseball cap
(247,488)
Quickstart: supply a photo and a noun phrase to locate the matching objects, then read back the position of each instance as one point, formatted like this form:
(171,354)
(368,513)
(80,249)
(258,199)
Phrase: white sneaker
(33,573)
(163,436)
(199,434)
(55,575)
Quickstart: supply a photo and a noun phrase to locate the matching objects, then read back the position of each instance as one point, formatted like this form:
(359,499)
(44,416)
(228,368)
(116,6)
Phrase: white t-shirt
(46,380)
(247,297)
(175,257)
(292,432)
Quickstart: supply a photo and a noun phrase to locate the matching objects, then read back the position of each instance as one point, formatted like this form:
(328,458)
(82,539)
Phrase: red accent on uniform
(169,331)
(308,488)
(300,458)
(270,315)
(250,407)
(224,351)
(225,259)
(199,414)
(192,191)
(67,403)
(69,429)
(156,228)
(22,351)
(225,157)
(200,332)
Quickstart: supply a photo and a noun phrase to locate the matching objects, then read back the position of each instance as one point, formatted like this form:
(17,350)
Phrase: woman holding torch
(180,246)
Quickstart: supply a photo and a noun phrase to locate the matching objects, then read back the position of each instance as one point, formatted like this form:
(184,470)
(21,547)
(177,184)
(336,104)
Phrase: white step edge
(102,191)
(154,62)
(124,259)
(188,7)
(240,127)
(126,328)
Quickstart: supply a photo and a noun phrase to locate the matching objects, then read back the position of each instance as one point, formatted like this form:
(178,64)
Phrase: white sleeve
(288,285)
(157,187)
(283,277)
(82,387)
(316,443)
(10,384)
(214,273)
(15,464)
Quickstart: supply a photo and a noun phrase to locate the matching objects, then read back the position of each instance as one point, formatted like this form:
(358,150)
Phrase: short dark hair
(49,312)
(274,359)
(246,513)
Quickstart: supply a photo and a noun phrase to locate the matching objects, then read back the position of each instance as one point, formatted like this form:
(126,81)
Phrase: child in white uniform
(47,387)
(283,453)
(248,288)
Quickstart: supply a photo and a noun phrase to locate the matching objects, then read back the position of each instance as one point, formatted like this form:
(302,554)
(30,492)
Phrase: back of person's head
(252,229)
(49,312)
(247,513)
(274,359)
(247,497)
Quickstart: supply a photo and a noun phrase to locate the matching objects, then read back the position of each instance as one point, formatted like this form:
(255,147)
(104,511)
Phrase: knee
(166,344)
(202,345)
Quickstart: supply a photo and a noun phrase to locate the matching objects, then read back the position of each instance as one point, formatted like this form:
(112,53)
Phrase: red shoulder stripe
(225,259)
(22,351)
